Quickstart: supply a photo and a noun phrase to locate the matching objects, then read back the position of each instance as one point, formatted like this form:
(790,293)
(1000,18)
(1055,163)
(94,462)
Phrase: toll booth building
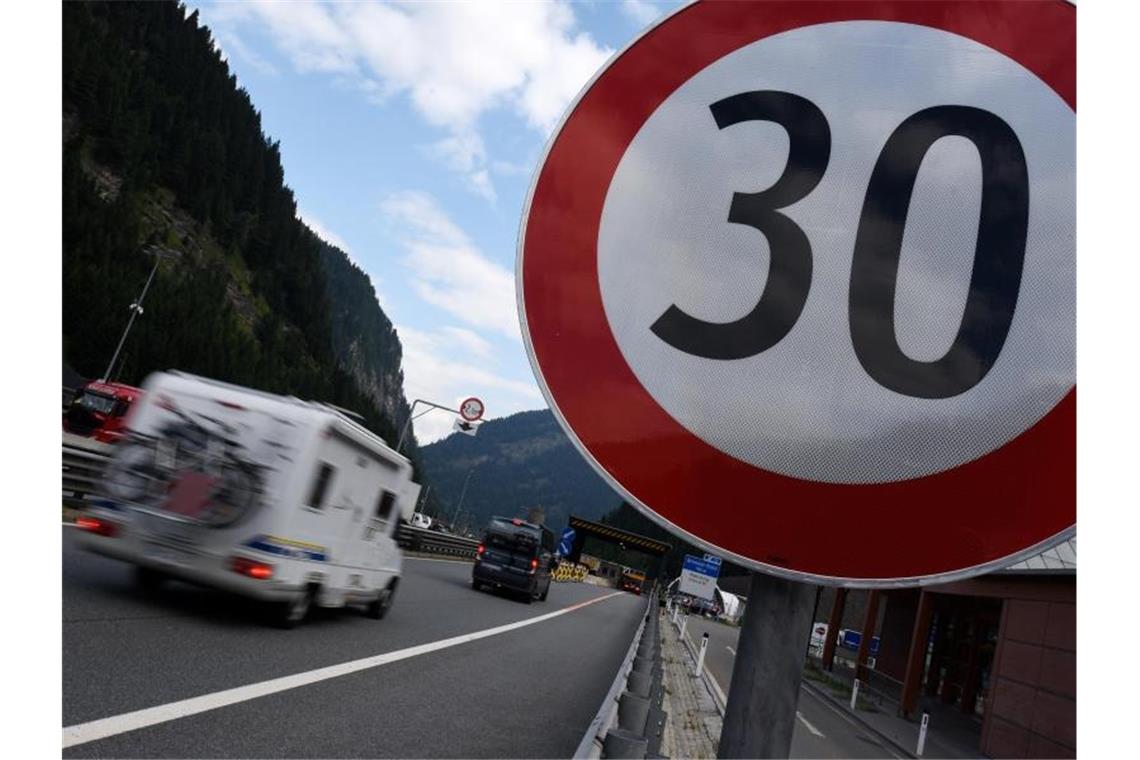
(992,659)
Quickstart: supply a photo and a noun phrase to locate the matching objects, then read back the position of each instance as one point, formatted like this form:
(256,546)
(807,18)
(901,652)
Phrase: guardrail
(435,542)
(631,721)
(83,463)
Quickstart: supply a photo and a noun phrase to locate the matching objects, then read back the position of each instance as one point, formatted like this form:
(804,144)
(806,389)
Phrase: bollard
(633,712)
(922,734)
(701,655)
(648,649)
(854,693)
(676,610)
(684,623)
(640,683)
(624,744)
(643,664)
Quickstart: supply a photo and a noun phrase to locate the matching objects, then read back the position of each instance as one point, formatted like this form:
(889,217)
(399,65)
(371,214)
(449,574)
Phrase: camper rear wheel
(379,606)
(292,612)
(148,579)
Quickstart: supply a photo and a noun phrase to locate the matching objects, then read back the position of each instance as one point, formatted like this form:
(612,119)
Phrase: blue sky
(409,134)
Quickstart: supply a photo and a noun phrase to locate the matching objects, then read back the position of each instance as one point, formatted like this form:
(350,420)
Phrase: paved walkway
(693,727)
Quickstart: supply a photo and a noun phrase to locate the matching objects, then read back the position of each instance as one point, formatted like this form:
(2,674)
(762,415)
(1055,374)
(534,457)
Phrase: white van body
(215,479)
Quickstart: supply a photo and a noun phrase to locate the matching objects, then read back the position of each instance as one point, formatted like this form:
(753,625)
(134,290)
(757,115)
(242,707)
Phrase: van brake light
(533,565)
(251,568)
(97,526)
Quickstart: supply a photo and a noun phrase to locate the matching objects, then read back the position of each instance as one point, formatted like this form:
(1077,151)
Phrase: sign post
(760,713)
(821,258)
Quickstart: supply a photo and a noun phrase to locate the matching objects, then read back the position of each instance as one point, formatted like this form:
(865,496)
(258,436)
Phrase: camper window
(316,498)
(384,506)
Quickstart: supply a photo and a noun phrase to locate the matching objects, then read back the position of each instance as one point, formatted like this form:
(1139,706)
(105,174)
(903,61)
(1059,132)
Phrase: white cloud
(448,270)
(448,365)
(464,152)
(454,61)
(229,41)
(641,12)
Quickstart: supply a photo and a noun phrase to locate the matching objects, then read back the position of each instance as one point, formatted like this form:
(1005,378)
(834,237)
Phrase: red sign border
(594,394)
(482,409)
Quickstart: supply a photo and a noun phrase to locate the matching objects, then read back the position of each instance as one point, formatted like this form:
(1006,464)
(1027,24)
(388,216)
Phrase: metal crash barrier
(631,721)
(83,463)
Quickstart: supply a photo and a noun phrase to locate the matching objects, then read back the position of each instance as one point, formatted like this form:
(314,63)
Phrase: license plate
(167,554)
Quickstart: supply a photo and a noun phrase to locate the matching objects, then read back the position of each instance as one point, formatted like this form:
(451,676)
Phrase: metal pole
(136,309)
(462,494)
(854,693)
(760,714)
(407,423)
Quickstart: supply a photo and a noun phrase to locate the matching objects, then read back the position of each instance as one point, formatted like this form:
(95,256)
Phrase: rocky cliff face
(363,339)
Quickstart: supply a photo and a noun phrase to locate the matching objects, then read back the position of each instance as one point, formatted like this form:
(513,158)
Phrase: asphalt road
(527,692)
(822,730)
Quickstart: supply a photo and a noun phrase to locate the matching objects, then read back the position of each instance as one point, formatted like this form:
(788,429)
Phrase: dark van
(515,555)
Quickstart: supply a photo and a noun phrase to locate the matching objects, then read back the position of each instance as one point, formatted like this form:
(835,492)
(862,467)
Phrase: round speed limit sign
(799,281)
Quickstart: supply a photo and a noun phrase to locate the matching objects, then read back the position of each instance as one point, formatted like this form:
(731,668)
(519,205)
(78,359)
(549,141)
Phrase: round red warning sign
(799,281)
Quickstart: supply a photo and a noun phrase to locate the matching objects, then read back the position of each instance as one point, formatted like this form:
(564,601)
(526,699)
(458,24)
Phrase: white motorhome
(282,500)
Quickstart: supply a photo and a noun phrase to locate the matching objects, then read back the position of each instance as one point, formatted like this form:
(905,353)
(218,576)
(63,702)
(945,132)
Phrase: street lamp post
(136,310)
(462,494)
(412,416)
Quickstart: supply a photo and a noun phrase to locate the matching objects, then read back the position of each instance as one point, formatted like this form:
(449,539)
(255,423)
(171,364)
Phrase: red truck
(99,410)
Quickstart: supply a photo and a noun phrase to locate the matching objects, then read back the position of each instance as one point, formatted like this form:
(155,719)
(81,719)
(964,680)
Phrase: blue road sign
(851,640)
(566,545)
(698,576)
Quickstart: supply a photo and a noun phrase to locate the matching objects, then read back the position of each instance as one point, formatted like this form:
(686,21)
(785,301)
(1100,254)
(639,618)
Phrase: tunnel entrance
(609,551)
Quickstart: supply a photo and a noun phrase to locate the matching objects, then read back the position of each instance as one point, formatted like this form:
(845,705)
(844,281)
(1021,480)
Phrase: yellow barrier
(568,572)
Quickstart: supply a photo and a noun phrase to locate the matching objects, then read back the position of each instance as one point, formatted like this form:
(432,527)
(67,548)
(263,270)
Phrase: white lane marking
(842,714)
(102,728)
(808,725)
(730,650)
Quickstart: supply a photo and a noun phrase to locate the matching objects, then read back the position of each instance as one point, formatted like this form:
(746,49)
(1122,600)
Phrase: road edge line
(103,728)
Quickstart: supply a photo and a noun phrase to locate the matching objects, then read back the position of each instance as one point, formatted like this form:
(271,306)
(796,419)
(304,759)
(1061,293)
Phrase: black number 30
(999,255)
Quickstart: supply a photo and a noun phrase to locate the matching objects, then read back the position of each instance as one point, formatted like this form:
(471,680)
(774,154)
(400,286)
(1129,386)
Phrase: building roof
(1062,558)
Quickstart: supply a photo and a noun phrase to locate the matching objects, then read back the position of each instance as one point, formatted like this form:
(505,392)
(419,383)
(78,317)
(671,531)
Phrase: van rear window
(511,541)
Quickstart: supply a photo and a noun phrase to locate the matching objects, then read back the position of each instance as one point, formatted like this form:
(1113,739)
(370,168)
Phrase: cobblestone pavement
(693,727)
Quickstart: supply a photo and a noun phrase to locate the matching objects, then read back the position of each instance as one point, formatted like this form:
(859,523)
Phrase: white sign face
(823,402)
(471,409)
(695,584)
(698,577)
(465,427)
